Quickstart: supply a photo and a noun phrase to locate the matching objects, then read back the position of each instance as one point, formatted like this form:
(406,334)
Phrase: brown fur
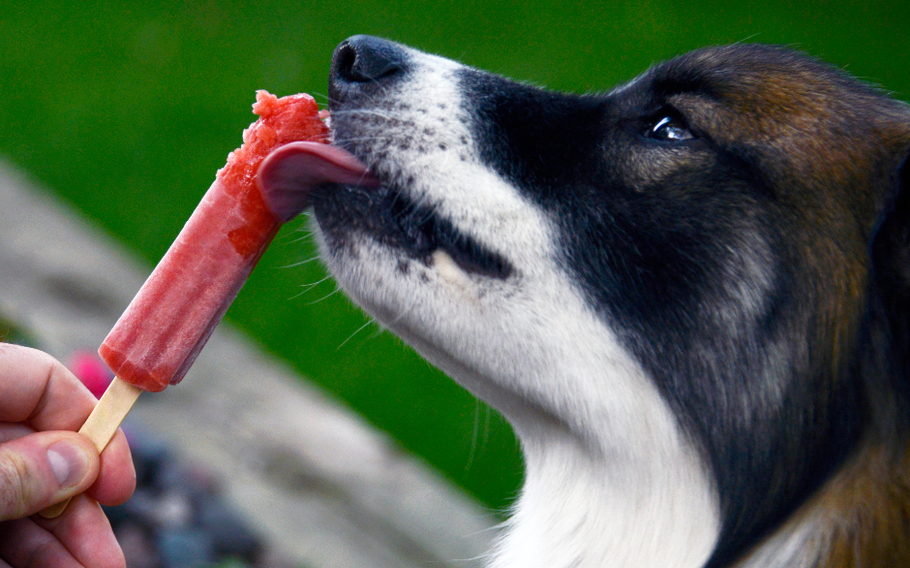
(861,517)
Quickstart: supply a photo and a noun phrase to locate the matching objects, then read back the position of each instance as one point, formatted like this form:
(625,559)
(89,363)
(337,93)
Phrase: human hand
(43,461)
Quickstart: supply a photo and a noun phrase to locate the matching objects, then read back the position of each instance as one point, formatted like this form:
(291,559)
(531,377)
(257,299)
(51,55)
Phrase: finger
(117,477)
(38,389)
(24,543)
(84,530)
(44,468)
(11,431)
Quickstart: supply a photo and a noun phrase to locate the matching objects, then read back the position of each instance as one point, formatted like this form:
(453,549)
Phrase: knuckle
(14,494)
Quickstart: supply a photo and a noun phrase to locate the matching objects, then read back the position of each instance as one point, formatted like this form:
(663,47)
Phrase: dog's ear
(891,260)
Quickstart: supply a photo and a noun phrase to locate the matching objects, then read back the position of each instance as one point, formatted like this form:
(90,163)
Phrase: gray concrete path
(315,480)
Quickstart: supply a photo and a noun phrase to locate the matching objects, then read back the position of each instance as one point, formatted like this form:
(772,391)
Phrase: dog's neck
(583,507)
(640,497)
(651,505)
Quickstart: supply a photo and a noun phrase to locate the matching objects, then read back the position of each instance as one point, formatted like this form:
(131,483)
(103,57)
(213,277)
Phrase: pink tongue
(289,173)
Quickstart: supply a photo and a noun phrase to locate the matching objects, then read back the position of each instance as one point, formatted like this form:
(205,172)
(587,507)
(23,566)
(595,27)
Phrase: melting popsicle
(160,334)
(164,328)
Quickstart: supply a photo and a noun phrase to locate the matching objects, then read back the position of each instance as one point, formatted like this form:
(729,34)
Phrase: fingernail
(68,463)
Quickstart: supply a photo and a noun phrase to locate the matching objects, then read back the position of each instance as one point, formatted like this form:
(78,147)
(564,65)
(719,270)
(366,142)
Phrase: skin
(41,406)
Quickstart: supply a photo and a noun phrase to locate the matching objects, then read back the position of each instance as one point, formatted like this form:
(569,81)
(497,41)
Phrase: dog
(688,295)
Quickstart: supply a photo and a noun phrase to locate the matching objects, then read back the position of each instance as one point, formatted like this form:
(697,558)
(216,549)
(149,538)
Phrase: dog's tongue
(289,173)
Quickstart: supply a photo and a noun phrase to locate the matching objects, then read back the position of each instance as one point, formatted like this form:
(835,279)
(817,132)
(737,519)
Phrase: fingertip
(117,477)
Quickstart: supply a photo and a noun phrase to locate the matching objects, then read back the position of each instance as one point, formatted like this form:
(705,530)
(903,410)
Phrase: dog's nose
(361,63)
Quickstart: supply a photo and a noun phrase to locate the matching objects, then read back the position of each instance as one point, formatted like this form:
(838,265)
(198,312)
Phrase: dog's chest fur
(686,295)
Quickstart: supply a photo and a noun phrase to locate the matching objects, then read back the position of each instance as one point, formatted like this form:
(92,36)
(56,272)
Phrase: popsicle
(164,328)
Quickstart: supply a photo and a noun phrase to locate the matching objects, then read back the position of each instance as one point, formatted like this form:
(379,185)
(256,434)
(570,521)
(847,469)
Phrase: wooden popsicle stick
(102,424)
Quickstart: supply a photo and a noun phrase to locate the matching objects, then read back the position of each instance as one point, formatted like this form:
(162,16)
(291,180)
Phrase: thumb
(44,468)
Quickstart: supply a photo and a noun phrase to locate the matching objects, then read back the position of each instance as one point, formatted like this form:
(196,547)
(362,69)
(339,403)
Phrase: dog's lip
(389,216)
(470,255)
(289,174)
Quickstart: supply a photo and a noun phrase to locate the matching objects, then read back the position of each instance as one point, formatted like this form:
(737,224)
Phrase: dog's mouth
(388,216)
(348,199)
(423,233)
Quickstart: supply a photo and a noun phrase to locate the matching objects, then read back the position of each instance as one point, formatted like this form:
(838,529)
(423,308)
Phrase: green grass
(126,110)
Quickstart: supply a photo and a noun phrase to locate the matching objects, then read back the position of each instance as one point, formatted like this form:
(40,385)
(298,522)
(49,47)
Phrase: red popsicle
(164,328)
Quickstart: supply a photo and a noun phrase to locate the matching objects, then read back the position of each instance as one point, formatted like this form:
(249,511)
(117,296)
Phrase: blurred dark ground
(127,110)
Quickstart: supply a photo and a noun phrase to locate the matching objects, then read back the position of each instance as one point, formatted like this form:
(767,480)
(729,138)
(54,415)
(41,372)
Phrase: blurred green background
(126,110)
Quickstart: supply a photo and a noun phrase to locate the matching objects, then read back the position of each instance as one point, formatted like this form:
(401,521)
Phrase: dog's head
(717,250)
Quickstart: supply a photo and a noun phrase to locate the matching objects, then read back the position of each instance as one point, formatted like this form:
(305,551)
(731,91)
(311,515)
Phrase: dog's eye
(669,129)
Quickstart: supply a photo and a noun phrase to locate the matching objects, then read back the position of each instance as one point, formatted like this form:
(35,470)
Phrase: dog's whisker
(302,262)
(362,112)
(344,141)
(369,322)
(326,297)
(307,287)
(474,436)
